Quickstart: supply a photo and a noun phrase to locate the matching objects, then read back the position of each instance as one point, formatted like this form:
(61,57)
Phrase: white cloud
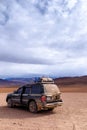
(43,34)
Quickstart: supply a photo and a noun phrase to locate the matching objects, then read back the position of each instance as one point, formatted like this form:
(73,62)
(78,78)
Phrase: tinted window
(36,89)
(20,90)
(27,90)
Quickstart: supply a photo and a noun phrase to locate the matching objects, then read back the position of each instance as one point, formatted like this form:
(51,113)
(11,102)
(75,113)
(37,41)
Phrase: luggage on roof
(46,80)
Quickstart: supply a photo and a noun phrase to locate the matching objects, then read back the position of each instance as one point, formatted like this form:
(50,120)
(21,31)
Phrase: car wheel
(9,103)
(33,107)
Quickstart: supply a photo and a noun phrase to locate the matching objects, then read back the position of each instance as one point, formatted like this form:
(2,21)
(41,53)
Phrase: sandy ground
(71,116)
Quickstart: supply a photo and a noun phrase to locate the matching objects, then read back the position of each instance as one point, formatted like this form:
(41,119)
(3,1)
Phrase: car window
(27,90)
(20,90)
(36,89)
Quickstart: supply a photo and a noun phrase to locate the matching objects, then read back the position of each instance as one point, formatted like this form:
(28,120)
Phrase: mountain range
(71,80)
(62,81)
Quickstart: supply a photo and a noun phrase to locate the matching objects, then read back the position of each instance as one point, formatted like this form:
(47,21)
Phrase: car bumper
(52,105)
(46,106)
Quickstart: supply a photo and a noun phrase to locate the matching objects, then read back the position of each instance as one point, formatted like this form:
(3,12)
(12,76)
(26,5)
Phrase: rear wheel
(9,103)
(33,107)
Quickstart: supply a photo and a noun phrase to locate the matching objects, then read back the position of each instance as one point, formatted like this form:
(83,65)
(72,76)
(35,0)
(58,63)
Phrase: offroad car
(41,95)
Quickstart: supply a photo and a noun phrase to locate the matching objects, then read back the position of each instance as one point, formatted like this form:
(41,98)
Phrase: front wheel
(33,107)
(9,103)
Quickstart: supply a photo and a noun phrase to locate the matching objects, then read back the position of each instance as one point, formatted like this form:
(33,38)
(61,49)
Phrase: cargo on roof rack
(46,80)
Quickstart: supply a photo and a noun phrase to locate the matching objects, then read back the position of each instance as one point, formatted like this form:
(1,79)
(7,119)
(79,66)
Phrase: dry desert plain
(72,115)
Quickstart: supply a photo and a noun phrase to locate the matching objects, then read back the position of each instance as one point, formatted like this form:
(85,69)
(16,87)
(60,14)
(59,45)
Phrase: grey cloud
(44,32)
(23,56)
(53,6)
(4,16)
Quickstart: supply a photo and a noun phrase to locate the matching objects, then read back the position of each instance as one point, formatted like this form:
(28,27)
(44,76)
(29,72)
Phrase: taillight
(43,98)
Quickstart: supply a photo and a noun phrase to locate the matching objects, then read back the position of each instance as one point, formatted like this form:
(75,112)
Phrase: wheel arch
(36,107)
(31,100)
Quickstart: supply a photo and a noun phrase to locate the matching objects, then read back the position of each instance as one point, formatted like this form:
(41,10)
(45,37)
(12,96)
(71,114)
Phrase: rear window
(37,89)
(51,88)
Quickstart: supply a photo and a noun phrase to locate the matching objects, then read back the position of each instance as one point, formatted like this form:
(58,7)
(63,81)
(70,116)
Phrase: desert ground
(72,115)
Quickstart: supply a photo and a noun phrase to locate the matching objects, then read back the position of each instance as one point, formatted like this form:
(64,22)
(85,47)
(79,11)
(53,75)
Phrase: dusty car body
(41,95)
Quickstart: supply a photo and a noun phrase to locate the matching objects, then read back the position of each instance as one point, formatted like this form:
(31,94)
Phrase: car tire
(32,107)
(9,103)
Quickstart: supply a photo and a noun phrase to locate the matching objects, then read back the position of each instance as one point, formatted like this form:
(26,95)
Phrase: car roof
(29,85)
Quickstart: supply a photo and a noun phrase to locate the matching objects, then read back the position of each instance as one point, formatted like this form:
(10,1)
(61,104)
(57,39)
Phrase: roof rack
(45,80)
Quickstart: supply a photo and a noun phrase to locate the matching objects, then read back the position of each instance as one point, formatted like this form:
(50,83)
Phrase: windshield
(51,88)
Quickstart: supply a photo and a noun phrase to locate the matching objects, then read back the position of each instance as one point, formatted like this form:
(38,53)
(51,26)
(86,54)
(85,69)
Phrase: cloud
(8,69)
(44,33)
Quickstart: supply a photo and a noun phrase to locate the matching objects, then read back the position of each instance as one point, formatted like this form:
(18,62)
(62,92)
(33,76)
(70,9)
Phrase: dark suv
(42,95)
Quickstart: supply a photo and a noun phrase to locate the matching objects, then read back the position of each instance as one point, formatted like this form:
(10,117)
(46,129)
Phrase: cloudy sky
(43,37)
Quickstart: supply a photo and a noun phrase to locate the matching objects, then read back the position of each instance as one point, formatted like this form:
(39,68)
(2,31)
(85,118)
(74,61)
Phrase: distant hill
(12,82)
(66,84)
(9,83)
(71,80)
(22,80)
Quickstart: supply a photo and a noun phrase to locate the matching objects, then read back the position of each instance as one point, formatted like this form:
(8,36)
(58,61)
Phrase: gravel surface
(71,116)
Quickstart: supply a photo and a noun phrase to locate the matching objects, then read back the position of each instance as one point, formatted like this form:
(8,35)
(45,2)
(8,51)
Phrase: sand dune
(71,116)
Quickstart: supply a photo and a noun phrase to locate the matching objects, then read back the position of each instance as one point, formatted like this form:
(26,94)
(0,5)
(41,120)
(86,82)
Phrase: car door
(16,98)
(25,95)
